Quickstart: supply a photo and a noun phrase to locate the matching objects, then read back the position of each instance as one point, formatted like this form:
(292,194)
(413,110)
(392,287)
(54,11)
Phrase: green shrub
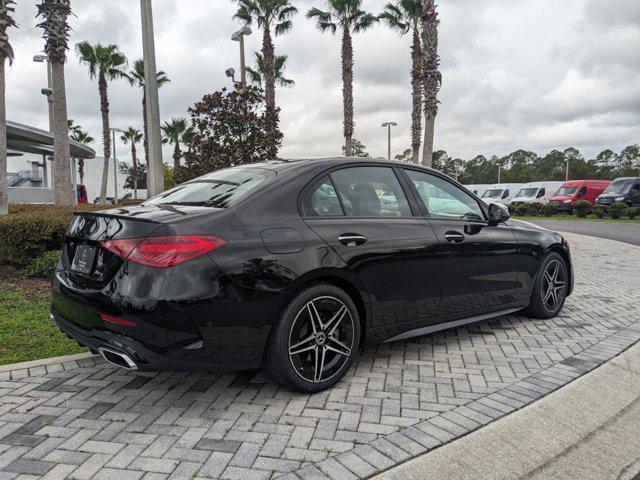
(512,209)
(43,266)
(549,209)
(633,212)
(618,209)
(582,208)
(28,231)
(523,210)
(535,208)
(599,211)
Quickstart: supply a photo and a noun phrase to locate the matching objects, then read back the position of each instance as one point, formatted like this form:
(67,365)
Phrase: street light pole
(42,59)
(115,166)
(389,125)
(239,37)
(155,175)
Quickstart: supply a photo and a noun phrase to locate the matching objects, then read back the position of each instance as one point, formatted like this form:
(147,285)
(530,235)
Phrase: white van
(536,192)
(477,189)
(501,193)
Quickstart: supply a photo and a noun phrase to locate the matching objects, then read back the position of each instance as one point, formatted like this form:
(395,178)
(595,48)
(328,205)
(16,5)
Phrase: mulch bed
(31,288)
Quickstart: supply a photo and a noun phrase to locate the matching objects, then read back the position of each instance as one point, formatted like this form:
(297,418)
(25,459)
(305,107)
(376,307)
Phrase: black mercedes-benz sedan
(295,265)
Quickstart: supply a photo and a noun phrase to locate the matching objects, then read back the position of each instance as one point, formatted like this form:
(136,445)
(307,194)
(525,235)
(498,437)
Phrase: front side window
(219,189)
(443,199)
(541,193)
(505,194)
(371,192)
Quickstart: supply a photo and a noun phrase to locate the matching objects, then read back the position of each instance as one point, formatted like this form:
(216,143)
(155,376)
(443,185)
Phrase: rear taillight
(163,252)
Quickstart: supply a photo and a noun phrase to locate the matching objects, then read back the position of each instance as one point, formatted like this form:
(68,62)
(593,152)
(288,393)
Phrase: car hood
(523,199)
(560,198)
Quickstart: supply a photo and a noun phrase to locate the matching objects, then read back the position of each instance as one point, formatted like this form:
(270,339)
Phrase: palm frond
(364,21)
(283,27)
(6,21)
(324,20)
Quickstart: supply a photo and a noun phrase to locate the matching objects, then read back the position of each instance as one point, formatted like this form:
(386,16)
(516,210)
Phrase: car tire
(550,287)
(319,326)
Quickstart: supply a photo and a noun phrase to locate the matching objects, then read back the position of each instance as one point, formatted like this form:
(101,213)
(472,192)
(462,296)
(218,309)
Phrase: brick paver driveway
(402,399)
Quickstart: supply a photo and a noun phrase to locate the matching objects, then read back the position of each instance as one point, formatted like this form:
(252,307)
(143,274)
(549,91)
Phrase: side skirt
(452,324)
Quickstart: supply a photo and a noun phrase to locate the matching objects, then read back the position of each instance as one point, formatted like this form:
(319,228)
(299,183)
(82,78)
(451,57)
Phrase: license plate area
(83,259)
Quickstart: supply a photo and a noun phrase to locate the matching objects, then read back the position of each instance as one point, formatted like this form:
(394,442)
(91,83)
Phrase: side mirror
(498,213)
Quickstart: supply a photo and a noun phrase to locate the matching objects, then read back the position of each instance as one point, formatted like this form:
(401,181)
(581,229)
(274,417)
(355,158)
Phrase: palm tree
(268,14)
(6,51)
(347,15)
(56,35)
(188,136)
(105,63)
(72,127)
(136,78)
(405,17)
(134,136)
(173,132)
(81,136)
(431,76)
(256,75)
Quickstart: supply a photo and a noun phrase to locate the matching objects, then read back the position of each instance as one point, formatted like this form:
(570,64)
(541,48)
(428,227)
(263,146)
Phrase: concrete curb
(47,365)
(587,429)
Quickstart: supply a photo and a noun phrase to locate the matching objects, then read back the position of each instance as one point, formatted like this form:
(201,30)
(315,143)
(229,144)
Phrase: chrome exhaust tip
(117,358)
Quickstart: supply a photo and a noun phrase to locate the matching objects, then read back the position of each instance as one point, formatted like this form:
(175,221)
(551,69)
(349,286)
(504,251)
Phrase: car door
(480,260)
(364,214)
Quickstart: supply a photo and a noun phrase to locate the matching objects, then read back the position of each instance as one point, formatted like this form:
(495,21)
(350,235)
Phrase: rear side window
(371,192)
(219,189)
(324,200)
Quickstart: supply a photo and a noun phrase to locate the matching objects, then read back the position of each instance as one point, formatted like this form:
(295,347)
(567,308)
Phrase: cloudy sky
(532,74)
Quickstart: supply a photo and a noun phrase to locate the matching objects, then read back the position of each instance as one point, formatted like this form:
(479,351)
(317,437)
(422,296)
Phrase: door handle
(352,239)
(454,237)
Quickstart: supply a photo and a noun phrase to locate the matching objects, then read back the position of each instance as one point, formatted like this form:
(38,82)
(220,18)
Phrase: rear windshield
(219,189)
(493,193)
(567,191)
(528,192)
(622,185)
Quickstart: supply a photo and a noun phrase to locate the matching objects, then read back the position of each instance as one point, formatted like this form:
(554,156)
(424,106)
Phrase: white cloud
(532,74)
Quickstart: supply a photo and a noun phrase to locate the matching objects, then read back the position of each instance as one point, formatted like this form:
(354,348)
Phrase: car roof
(298,163)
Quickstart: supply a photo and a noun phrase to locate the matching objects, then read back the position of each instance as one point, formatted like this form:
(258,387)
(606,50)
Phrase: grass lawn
(589,218)
(26,333)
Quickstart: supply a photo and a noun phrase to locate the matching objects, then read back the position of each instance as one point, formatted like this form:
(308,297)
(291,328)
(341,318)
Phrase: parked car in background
(575,190)
(624,189)
(109,200)
(501,193)
(536,192)
(81,193)
(477,189)
(295,265)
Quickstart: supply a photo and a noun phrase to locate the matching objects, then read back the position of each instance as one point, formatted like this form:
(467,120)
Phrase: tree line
(523,166)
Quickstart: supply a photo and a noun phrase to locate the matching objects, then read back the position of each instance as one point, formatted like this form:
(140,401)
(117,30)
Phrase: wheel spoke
(556,269)
(547,277)
(333,323)
(547,293)
(314,316)
(336,346)
(319,365)
(303,345)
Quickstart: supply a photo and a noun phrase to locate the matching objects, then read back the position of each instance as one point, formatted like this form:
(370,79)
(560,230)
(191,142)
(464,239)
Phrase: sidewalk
(589,429)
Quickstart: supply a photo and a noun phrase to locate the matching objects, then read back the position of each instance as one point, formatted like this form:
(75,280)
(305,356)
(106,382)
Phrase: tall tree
(6,52)
(56,34)
(81,136)
(404,17)
(431,76)
(105,63)
(256,75)
(359,149)
(133,136)
(350,18)
(230,129)
(136,78)
(173,132)
(268,14)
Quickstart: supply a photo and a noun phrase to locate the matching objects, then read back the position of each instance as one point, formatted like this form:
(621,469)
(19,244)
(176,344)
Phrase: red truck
(572,191)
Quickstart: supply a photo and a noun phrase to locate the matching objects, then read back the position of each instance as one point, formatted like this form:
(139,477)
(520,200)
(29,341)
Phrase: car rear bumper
(143,357)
